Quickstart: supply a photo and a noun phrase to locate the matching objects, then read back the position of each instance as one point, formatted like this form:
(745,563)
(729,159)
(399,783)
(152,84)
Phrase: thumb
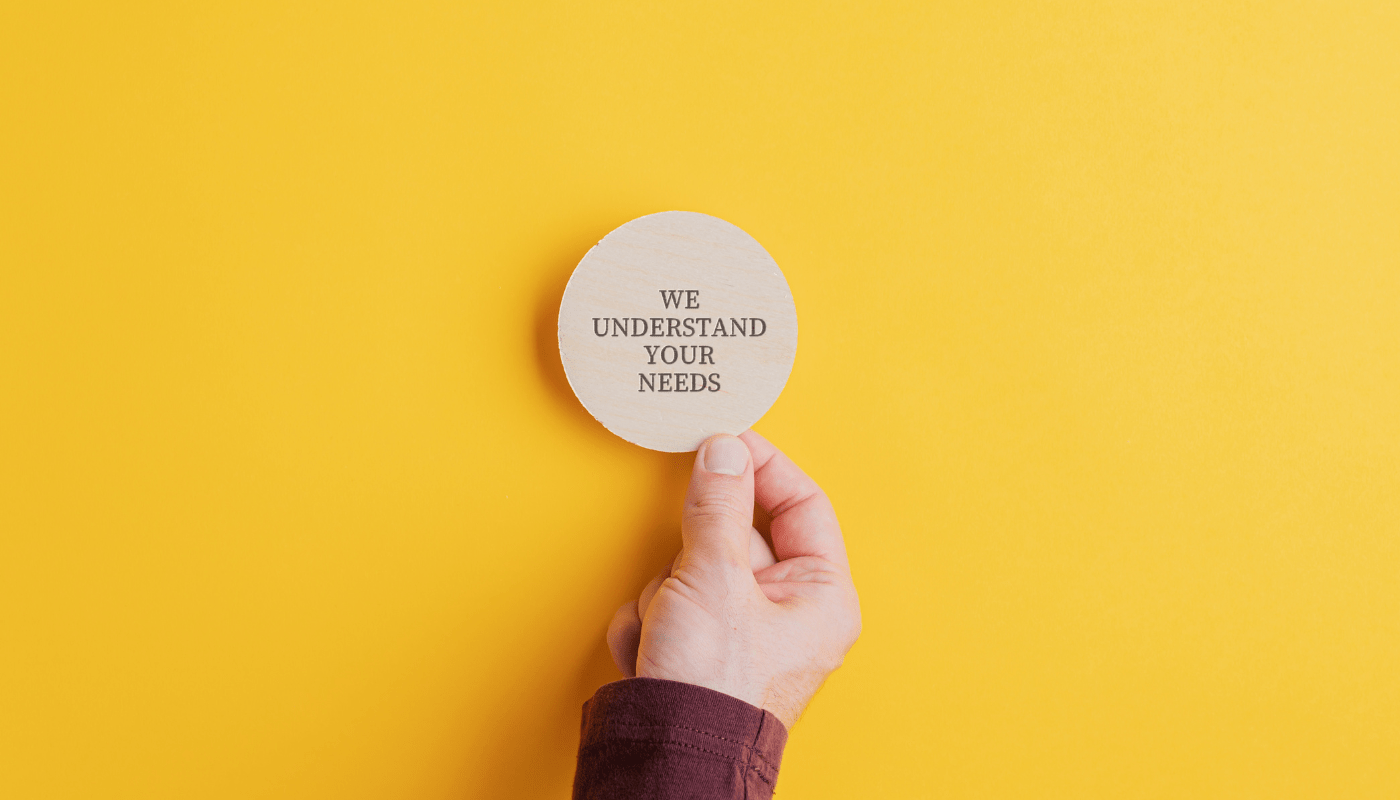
(718,515)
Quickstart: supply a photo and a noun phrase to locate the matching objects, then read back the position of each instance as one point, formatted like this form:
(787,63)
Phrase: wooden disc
(675,327)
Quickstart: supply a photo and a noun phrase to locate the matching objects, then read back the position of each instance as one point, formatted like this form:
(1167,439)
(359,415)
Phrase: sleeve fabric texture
(644,737)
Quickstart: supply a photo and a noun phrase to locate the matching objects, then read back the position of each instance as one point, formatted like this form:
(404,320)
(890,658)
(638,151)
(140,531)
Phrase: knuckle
(834,662)
(846,629)
(854,623)
(718,503)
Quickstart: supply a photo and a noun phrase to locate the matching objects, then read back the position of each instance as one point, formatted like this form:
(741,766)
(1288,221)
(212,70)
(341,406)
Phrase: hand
(763,625)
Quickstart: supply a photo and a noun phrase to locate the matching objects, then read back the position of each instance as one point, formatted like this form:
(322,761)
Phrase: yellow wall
(1100,363)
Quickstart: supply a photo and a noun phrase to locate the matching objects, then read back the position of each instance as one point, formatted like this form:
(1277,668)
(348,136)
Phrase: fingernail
(725,455)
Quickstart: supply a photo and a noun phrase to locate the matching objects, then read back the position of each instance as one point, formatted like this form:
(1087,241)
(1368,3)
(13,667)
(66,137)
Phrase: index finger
(804,523)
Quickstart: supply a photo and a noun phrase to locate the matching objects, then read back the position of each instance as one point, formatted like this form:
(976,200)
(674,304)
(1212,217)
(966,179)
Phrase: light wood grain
(728,320)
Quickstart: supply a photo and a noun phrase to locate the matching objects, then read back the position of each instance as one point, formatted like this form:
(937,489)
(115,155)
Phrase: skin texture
(765,625)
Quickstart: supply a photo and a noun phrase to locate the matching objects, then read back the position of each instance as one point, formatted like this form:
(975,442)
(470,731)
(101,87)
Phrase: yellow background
(1099,361)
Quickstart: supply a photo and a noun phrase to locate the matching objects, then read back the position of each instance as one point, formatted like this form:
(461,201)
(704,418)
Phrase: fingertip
(760,448)
(752,437)
(723,454)
(760,553)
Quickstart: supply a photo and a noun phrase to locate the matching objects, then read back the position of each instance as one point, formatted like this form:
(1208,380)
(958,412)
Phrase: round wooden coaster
(675,327)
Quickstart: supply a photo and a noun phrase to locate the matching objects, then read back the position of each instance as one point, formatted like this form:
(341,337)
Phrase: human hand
(764,625)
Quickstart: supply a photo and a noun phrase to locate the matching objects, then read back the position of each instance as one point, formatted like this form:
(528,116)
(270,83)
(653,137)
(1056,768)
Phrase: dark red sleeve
(651,738)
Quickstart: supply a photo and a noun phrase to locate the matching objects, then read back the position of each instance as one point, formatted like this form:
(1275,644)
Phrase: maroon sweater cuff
(645,737)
